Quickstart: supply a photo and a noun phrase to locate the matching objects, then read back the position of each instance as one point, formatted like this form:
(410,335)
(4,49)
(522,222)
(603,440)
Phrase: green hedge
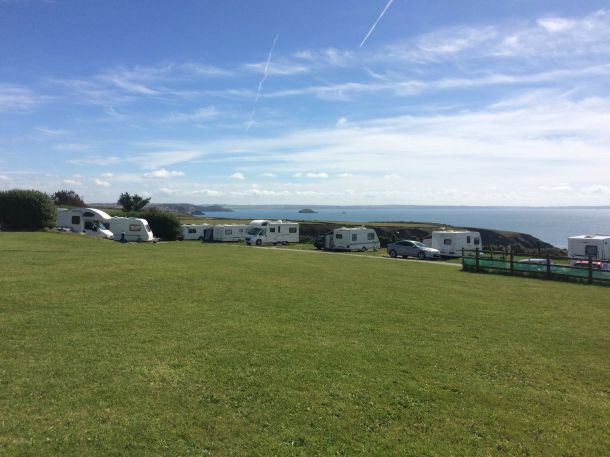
(26,210)
(164,225)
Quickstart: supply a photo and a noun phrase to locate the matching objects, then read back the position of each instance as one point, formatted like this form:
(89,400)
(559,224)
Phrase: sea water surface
(553,225)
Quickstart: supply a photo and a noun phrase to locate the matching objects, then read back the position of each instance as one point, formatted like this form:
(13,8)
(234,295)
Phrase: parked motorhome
(201,232)
(84,220)
(352,239)
(234,232)
(262,231)
(584,246)
(135,229)
(451,242)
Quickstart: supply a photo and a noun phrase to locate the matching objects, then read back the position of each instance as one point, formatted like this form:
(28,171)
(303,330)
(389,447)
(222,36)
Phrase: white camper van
(584,246)
(201,232)
(84,220)
(234,232)
(451,242)
(352,239)
(262,231)
(134,229)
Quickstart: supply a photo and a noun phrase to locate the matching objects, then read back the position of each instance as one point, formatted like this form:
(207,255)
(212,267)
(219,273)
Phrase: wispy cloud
(238,176)
(101,183)
(18,98)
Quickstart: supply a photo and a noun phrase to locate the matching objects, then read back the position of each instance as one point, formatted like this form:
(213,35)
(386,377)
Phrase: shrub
(26,210)
(132,202)
(164,225)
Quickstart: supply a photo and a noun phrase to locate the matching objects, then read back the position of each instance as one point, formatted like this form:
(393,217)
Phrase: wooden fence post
(463,261)
(512,260)
(590,270)
(477,258)
(548,265)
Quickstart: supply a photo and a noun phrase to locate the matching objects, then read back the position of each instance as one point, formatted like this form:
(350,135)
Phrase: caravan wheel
(284,243)
(363,248)
(259,242)
(392,253)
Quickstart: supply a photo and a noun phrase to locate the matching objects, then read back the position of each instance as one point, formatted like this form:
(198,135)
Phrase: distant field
(187,348)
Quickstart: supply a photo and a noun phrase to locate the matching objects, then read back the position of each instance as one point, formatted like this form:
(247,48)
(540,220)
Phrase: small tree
(132,202)
(68,198)
(26,210)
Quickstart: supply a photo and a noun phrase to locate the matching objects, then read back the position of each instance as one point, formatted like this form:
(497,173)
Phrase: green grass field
(199,349)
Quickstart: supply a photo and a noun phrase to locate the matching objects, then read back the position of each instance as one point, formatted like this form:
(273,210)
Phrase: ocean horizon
(550,224)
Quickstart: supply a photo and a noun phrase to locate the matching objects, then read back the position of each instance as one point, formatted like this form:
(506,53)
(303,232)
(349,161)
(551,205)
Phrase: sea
(553,225)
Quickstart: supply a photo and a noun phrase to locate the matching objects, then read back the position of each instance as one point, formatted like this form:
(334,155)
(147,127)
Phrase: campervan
(262,231)
(201,232)
(352,239)
(135,229)
(451,242)
(234,232)
(584,246)
(84,220)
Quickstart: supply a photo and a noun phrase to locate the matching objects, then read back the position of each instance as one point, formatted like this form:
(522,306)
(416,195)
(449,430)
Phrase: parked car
(596,265)
(408,248)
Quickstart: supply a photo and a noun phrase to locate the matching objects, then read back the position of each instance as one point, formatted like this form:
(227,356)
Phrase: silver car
(407,248)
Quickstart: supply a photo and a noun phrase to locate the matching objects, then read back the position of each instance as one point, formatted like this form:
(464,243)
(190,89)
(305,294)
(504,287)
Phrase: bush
(26,210)
(164,225)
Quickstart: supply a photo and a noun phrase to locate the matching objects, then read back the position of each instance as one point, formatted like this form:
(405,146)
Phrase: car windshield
(254,231)
(418,244)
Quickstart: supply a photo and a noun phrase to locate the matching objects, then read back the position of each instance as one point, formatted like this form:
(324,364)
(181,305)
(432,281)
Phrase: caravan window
(477,241)
(591,250)
(354,236)
(292,230)
(88,214)
(272,229)
(76,220)
(468,239)
(447,241)
(106,225)
(192,230)
(279,228)
(134,227)
(228,232)
(339,236)
(241,230)
(370,236)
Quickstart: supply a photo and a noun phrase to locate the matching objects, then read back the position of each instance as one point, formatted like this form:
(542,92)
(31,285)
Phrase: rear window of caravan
(447,241)
(591,250)
(192,230)
(354,236)
(76,219)
(292,230)
(370,236)
(134,227)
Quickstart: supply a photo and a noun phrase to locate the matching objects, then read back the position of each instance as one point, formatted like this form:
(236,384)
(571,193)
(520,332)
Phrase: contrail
(376,22)
(260,84)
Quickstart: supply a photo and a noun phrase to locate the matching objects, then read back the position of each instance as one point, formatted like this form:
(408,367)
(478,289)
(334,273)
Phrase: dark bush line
(26,210)
(164,225)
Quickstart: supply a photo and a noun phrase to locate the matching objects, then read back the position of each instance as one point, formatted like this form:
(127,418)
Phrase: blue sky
(251,102)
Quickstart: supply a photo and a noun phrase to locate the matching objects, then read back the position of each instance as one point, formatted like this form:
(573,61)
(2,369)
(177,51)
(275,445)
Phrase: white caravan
(234,232)
(584,246)
(199,232)
(352,239)
(451,242)
(262,231)
(134,229)
(84,220)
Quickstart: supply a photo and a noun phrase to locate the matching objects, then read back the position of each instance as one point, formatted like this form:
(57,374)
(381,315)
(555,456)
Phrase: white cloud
(71,182)
(391,176)
(317,175)
(107,175)
(199,115)
(238,176)
(556,24)
(345,175)
(269,175)
(342,122)
(101,183)
(18,98)
(4,178)
(163,174)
